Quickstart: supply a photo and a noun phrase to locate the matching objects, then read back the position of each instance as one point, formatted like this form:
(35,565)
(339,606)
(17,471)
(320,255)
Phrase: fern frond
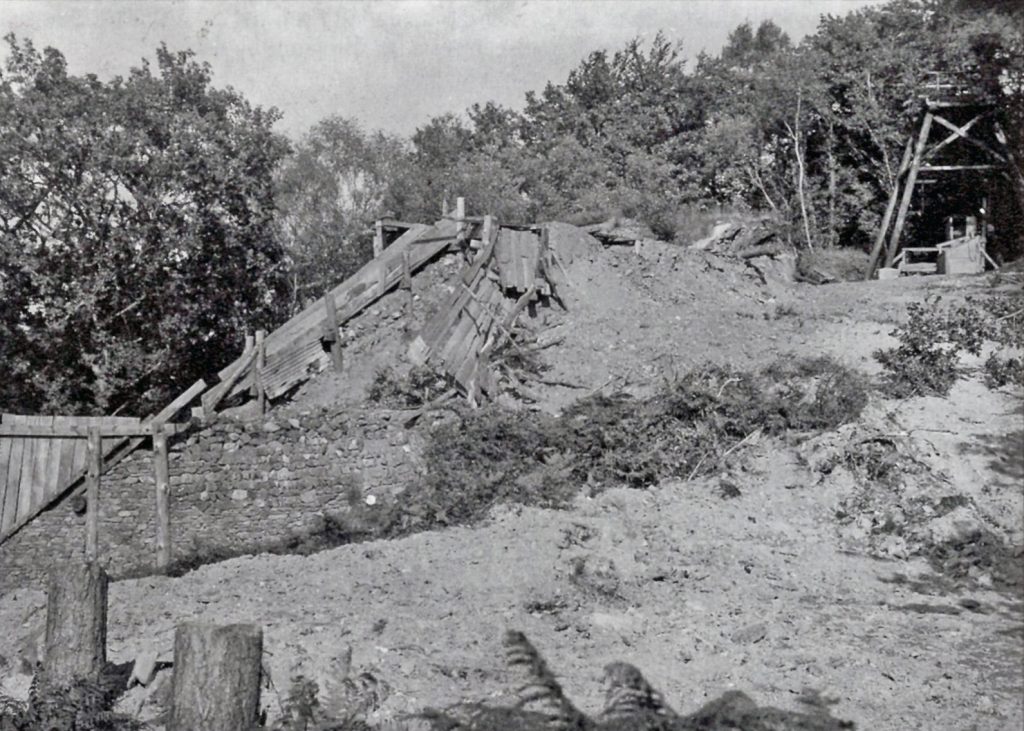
(540,690)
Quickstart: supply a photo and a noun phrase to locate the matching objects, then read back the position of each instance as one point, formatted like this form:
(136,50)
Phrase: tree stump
(216,685)
(76,623)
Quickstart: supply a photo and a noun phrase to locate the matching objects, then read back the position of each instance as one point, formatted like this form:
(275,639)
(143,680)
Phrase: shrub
(927,359)
(687,428)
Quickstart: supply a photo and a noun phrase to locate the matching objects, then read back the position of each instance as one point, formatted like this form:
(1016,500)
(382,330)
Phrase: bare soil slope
(786,576)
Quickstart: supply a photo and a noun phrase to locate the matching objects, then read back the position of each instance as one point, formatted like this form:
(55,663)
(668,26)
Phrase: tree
(329,192)
(136,237)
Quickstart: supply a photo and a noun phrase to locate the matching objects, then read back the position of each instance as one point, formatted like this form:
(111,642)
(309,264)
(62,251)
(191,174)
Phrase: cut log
(76,623)
(216,683)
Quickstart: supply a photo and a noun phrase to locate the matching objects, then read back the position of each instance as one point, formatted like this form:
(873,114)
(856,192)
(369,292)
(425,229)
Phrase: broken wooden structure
(44,459)
(41,457)
(508,273)
(969,155)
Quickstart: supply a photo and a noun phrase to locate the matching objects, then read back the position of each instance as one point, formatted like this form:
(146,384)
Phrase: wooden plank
(908,190)
(378,239)
(162,484)
(954,168)
(25,482)
(876,250)
(5,458)
(331,333)
(353,295)
(261,363)
(448,316)
(38,432)
(345,294)
(10,517)
(45,448)
(962,132)
(212,398)
(94,446)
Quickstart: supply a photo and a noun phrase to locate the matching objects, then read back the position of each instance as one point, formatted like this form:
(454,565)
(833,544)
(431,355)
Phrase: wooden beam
(876,250)
(331,336)
(954,168)
(958,132)
(213,397)
(261,363)
(378,239)
(161,470)
(908,190)
(460,217)
(962,132)
(94,451)
(395,223)
(78,432)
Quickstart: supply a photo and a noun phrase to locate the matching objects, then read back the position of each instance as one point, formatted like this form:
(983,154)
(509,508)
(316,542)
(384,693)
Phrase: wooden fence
(35,468)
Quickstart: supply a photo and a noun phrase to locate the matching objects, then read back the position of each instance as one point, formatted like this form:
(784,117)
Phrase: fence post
(331,336)
(161,469)
(216,682)
(378,239)
(94,450)
(76,623)
(261,362)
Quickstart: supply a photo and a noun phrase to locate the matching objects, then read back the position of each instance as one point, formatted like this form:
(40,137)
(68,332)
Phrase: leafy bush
(927,359)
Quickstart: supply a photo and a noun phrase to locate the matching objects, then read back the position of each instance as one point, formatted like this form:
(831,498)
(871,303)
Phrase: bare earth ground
(785,589)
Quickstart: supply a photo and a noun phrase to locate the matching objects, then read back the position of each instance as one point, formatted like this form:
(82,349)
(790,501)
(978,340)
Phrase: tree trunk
(216,684)
(795,134)
(76,623)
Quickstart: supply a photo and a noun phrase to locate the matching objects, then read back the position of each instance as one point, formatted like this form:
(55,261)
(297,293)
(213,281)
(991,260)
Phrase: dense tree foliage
(329,193)
(135,231)
(811,133)
(148,222)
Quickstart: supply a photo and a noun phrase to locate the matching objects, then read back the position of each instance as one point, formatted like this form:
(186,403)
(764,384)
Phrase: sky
(390,64)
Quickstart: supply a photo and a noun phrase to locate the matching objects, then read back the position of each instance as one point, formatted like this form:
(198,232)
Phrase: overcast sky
(392,65)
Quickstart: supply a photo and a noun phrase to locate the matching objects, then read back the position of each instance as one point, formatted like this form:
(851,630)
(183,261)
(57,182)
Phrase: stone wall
(234,485)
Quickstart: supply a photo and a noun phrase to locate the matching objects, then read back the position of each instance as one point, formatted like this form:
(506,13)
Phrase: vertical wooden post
(161,469)
(876,250)
(331,336)
(94,452)
(76,623)
(407,288)
(216,682)
(908,190)
(261,362)
(488,232)
(460,214)
(378,239)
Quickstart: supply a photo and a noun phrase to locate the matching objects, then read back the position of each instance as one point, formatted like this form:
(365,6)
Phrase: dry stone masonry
(234,485)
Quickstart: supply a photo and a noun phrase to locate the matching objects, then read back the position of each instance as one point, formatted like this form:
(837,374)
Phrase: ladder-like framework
(966,121)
